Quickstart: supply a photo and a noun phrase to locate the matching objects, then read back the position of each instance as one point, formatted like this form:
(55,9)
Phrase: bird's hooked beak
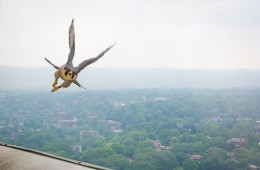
(70,73)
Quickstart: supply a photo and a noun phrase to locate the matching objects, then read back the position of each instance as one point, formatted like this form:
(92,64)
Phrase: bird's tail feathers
(77,83)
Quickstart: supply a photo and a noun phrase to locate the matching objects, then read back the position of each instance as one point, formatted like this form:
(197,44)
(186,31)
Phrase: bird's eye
(70,74)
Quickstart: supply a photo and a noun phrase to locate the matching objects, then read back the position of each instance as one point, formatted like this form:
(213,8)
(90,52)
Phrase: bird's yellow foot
(55,88)
(54,84)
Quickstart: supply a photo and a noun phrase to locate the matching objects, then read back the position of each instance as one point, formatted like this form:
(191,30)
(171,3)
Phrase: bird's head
(69,75)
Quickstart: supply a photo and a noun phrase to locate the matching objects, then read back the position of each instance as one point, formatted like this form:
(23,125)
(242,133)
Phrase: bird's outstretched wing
(71,43)
(77,83)
(51,64)
(87,62)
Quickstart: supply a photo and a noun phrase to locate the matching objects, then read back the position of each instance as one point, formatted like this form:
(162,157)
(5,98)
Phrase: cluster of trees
(189,121)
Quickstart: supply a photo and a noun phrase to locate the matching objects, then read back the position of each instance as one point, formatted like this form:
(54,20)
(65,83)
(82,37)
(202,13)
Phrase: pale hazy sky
(189,34)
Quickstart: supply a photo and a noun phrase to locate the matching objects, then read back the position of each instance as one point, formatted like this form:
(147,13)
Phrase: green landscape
(137,129)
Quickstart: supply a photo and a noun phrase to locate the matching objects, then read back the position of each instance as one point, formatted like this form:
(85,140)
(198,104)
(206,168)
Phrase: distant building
(76,147)
(158,146)
(209,137)
(114,125)
(144,99)
(69,121)
(117,103)
(131,160)
(16,116)
(196,157)
(230,154)
(160,99)
(216,118)
(112,122)
(254,167)
(239,141)
(14,136)
(116,130)
(90,133)
(74,120)
(91,117)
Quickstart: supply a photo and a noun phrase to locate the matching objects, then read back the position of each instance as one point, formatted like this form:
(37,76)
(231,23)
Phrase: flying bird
(67,72)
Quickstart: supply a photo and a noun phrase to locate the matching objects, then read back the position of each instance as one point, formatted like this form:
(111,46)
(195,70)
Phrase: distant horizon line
(145,68)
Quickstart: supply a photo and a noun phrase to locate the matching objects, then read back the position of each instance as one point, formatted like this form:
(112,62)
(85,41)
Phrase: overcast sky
(195,34)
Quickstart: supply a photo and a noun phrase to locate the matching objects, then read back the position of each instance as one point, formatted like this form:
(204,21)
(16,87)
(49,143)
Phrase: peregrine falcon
(67,72)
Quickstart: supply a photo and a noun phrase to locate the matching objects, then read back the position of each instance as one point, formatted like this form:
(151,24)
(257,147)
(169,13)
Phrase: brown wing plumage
(52,64)
(87,62)
(71,43)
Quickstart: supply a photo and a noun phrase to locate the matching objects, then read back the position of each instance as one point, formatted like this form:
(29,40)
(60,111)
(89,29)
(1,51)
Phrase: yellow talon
(54,84)
(54,89)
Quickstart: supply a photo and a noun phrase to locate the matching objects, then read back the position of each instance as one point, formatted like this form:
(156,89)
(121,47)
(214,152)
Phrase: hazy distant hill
(120,78)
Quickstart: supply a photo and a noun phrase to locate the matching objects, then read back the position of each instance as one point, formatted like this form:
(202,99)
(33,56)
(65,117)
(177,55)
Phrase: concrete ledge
(15,157)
